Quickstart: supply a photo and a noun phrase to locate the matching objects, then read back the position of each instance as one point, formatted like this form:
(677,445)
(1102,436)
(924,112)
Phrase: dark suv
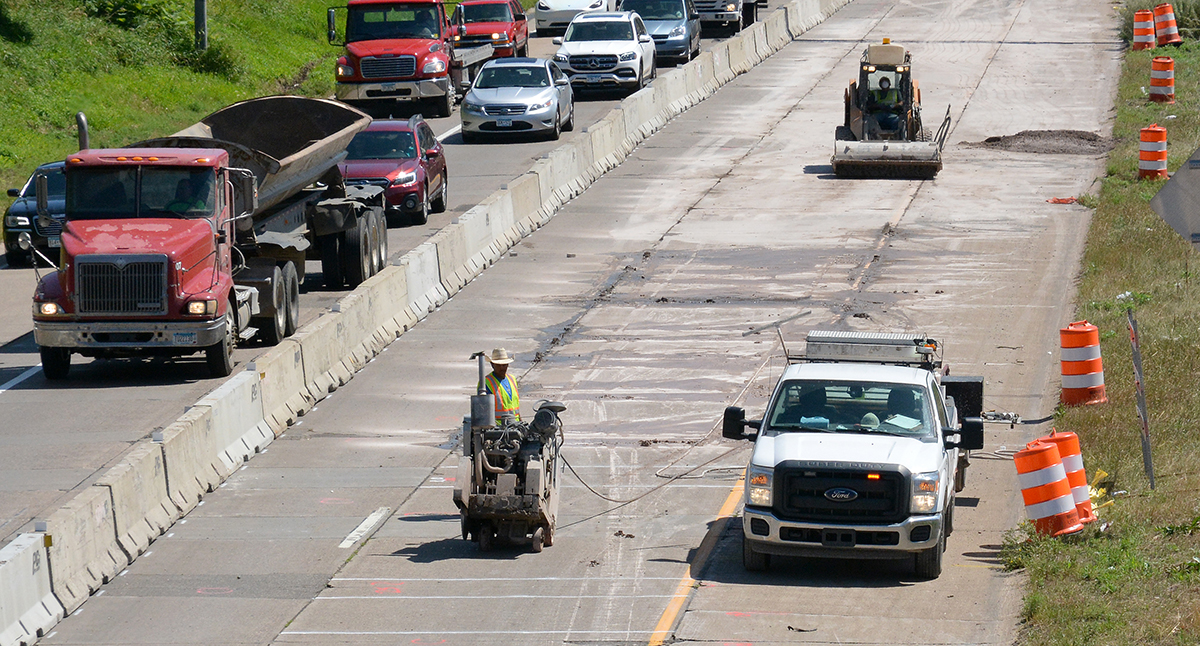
(22,217)
(407,160)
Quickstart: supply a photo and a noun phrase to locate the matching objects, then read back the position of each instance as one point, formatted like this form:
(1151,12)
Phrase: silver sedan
(518,95)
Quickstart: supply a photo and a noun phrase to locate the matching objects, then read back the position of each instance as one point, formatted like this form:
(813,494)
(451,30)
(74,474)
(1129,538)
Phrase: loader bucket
(916,159)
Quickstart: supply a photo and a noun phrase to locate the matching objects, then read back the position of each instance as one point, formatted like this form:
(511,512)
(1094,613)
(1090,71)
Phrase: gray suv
(674,25)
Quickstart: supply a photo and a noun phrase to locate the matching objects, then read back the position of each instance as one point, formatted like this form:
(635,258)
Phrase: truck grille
(504,110)
(389,67)
(711,6)
(119,285)
(593,62)
(800,495)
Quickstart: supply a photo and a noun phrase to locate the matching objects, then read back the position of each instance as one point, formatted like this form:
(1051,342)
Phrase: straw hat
(500,357)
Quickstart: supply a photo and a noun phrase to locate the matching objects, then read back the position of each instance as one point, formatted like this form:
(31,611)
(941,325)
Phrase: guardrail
(100,531)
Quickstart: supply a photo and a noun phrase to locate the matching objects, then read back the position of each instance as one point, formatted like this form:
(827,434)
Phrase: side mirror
(970,436)
(462,31)
(14,192)
(331,20)
(644,38)
(557,40)
(519,16)
(733,425)
(432,152)
(694,16)
(245,187)
(43,201)
(561,82)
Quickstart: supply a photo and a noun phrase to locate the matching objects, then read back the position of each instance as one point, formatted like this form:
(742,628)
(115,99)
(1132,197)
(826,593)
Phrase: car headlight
(628,56)
(467,106)
(345,69)
(540,106)
(925,492)
(47,309)
(434,66)
(16,221)
(596,5)
(677,32)
(731,7)
(200,308)
(758,487)
(542,6)
(405,179)
(560,58)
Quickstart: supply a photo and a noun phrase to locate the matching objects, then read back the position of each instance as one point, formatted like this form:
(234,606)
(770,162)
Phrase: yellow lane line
(687,584)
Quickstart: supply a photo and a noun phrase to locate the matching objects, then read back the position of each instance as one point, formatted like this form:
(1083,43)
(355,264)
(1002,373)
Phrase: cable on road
(649,491)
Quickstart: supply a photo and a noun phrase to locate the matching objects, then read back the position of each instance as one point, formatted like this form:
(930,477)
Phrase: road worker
(504,386)
(885,105)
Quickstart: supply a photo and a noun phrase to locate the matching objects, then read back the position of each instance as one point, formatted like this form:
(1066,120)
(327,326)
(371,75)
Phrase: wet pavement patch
(1062,142)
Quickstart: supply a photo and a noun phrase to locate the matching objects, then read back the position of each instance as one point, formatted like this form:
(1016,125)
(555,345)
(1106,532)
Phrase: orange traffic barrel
(1164,25)
(1082,367)
(1152,155)
(1046,490)
(1143,29)
(1162,79)
(1072,461)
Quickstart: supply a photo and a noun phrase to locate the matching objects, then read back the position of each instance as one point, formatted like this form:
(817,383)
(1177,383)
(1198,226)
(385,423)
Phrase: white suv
(603,50)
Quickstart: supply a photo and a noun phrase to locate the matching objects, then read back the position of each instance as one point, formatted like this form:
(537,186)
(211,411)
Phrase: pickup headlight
(434,66)
(628,56)
(499,39)
(758,487)
(677,32)
(925,492)
(200,308)
(405,179)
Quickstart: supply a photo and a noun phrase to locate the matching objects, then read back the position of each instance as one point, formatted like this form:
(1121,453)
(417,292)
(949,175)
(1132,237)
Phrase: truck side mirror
(970,435)
(42,189)
(245,187)
(331,19)
(733,425)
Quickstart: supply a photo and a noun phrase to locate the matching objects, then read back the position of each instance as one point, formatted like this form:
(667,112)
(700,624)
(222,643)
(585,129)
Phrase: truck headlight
(628,56)
(16,221)
(200,308)
(731,7)
(405,179)
(758,487)
(47,309)
(925,492)
(434,66)
(345,69)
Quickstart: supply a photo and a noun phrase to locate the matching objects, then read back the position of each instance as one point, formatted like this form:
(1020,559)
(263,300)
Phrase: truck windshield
(655,9)
(399,20)
(851,407)
(579,32)
(492,12)
(110,193)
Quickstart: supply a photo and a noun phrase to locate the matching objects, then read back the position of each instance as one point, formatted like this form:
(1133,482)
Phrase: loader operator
(503,386)
(885,105)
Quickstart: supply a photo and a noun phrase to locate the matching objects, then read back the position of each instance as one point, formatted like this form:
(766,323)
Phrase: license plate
(185,338)
(387,87)
(55,242)
(594,78)
(503,123)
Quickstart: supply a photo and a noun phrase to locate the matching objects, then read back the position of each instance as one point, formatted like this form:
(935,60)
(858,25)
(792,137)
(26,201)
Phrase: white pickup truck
(860,452)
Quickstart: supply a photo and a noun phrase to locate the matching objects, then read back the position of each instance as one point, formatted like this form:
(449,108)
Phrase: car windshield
(851,407)
(139,192)
(509,76)
(655,9)
(56,184)
(399,20)
(579,32)
(493,12)
(382,144)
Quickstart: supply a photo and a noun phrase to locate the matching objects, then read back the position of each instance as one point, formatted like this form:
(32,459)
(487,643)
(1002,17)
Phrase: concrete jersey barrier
(28,609)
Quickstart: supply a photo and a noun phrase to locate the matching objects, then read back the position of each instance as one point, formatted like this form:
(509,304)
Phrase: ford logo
(841,494)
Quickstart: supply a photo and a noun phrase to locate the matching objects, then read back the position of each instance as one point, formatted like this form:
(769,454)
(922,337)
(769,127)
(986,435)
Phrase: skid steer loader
(883,135)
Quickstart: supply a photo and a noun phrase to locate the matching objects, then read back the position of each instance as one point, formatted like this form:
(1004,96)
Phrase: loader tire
(843,133)
(548,539)
(487,537)
(539,540)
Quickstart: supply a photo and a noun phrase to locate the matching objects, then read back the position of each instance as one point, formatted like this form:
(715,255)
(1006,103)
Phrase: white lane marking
(101,592)
(19,378)
(523,578)
(367,525)
(449,133)
(564,631)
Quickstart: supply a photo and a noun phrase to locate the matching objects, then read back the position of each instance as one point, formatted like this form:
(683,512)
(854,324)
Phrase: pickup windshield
(387,21)
(493,12)
(655,9)
(851,407)
(124,192)
(590,30)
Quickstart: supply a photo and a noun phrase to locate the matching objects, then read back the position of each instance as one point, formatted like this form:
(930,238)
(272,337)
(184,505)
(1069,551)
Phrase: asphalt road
(116,402)
(630,306)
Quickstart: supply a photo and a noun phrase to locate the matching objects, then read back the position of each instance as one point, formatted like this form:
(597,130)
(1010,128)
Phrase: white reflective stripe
(1162,74)
(1152,165)
(1052,473)
(1060,505)
(1164,31)
(1083,381)
(1149,38)
(1072,463)
(1153,146)
(1080,494)
(1143,25)
(1081,354)
(1169,91)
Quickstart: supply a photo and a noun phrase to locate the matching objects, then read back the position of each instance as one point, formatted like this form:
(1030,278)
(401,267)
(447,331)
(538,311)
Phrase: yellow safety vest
(507,398)
(889,98)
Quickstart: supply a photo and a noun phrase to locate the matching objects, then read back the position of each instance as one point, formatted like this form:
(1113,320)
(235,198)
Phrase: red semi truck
(194,242)
(402,52)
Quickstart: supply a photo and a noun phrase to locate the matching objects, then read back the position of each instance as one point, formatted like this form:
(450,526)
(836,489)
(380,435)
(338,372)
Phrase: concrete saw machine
(511,494)
(879,142)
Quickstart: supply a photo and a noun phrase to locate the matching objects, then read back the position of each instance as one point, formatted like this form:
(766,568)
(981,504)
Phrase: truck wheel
(442,106)
(383,242)
(272,330)
(373,246)
(219,356)
(754,561)
(438,204)
(56,362)
(291,293)
(928,563)
(356,253)
(539,538)
(749,13)
(331,263)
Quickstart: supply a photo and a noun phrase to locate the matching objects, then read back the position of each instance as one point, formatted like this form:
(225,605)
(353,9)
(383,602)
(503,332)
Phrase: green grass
(1138,582)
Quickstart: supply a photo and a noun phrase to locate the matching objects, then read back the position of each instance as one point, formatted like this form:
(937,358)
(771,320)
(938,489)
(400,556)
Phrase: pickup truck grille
(111,285)
(592,62)
(800,495)
(504,110)
(389,67)
(474,40)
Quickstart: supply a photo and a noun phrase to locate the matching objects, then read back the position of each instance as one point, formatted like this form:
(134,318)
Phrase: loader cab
(879,62)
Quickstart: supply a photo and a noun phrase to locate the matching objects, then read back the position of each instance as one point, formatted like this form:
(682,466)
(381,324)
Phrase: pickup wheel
(754,561)
(291,294)
(56,362)
(331,264)
(928,563)
(356,252)
(219,356)
(949,518)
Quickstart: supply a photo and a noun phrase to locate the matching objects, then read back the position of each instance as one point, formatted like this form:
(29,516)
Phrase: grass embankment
(1138,582)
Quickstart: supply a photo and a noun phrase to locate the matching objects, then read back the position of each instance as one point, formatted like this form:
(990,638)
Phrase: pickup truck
(860,453)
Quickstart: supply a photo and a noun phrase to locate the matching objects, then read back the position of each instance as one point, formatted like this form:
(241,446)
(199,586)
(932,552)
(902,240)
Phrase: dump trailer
(883,135)
(194,242)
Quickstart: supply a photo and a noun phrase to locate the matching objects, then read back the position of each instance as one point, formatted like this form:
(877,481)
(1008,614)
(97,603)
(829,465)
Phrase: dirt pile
(1061,142)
